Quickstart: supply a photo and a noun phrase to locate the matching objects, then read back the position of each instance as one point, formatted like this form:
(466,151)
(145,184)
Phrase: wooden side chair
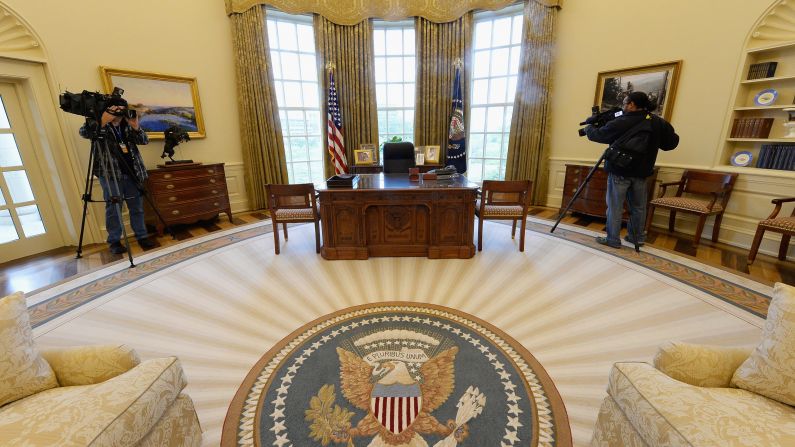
(784,225)
(293,204)
(503,200)
(716,185)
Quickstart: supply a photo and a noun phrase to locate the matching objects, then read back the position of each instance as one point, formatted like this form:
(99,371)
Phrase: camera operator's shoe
(147,243)
(117,248)
(631,241)
(603,241)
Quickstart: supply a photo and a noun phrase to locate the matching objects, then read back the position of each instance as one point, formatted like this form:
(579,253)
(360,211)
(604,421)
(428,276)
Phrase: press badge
(124,149)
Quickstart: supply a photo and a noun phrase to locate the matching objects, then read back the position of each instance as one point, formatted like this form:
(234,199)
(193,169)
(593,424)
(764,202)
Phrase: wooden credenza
(592,199)
(387,215)
(187,193)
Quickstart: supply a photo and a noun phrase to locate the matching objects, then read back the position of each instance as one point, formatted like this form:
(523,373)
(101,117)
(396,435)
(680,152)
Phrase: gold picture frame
(371,147)
(162,100)
(364,157)
(659,81)
(432,154)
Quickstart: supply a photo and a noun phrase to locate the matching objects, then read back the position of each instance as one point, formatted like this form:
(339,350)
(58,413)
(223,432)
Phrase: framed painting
(364,157)
(161,100)
(656,80)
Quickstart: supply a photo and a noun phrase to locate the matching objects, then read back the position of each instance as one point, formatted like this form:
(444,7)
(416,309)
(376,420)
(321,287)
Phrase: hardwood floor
(49,268)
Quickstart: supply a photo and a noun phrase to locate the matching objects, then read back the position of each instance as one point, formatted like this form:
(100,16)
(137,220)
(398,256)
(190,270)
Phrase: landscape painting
(162,101)
(657,80)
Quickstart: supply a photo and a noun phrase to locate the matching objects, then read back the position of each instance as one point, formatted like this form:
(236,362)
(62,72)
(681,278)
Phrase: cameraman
(630,182)
(123,134)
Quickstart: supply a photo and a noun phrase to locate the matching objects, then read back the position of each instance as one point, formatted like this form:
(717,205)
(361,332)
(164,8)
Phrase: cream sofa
(697,395)
(87,396)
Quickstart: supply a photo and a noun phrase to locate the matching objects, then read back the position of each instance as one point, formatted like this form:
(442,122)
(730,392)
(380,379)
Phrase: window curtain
(260,129)
(350,50)
(528,149)
(439,45)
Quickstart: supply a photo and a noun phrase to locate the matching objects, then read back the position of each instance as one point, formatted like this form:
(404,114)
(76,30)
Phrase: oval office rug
(397,374)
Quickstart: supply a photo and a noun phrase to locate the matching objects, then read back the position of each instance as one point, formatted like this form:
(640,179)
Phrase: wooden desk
(386,215)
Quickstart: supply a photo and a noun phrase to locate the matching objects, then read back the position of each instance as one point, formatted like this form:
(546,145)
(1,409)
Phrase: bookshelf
(745,108)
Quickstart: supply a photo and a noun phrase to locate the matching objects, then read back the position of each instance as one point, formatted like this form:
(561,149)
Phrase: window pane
(394,122)
(288,151)
(313,122)
(481,64)
(504,153)
(287,37)
(476,145)
(508,116)
(394,95)
(494,118)
(408,95)
(18,186)
(497,89)
(394,41)
(317,171)
(493,145)
(379,42)
(511,89)
(306,39)
(499,62)
(301,173)
(276,66)
(515,57)
(482,35)
(2,198)
(308,67)
(502,32)
(480,91)
(380,68)
(491,170)
(380,95)
(4,124)
(290,68)
(279,87)
(310,94)
(408,41)
(299,148)
(475,169)
(273,35)
(8,232)
(408,125)
(315,149)
(295,122)
(9,154)
(29,217)
(478,119)
(409,69)
(516,30)
(292,94)
(394,69)
(381,122)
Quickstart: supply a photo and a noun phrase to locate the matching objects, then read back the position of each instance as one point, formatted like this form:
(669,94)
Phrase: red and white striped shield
(396,413)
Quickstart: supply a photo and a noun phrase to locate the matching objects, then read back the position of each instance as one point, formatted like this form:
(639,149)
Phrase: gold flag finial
(331,66)
(458,63)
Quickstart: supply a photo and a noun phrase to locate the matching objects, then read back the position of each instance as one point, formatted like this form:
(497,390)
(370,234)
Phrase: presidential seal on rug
(397,375)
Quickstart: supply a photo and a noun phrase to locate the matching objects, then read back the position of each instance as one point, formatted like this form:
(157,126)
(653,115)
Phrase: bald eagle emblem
(399,378)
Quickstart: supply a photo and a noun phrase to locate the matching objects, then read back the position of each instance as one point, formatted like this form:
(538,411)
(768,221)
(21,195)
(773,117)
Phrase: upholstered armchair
(87,396)
(698,395)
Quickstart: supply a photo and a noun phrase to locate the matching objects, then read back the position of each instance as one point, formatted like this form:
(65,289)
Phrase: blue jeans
(634,190)
(135,206)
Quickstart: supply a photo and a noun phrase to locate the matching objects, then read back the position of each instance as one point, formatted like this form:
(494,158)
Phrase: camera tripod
(100,148)
(577,194)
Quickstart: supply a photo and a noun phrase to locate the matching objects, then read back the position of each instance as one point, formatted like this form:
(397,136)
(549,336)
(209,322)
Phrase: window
(395,62)
(292,45)
(495,69)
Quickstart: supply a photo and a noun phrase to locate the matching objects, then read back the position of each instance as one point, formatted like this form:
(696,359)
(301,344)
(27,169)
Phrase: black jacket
(663,137)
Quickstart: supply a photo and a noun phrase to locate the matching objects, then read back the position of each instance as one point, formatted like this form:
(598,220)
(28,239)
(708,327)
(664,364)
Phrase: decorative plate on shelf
(766,97)
(742,158)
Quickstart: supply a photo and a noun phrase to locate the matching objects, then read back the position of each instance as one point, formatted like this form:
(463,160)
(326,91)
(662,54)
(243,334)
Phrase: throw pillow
(770,370)
(22,370)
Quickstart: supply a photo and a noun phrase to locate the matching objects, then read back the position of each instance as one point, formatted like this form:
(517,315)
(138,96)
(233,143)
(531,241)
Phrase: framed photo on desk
(364,156)
(431,154)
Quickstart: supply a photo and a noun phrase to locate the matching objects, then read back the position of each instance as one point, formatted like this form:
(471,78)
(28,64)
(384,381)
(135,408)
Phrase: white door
(27,224)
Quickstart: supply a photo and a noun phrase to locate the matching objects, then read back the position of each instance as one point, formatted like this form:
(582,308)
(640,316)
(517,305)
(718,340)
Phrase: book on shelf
(777,156)
(762,70)
(751,127)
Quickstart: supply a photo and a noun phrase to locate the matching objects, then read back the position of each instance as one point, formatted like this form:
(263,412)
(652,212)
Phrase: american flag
(336,144)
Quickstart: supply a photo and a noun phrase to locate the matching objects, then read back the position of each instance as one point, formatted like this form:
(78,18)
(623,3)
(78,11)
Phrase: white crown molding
(778,24)
(17,39)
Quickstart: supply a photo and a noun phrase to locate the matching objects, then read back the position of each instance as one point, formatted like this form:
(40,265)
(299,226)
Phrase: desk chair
(717,185)
(293,204)
(398,157)
(503,200)
(784,225)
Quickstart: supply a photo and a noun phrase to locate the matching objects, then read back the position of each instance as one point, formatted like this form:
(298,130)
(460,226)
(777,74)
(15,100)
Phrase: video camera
(174,135)
(599,119)
(89,104)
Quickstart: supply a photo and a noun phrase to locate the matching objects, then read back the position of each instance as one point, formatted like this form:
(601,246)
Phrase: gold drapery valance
(351,12)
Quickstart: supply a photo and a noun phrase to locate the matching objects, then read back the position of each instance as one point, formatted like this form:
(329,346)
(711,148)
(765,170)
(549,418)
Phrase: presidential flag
(456,145)
(336,144)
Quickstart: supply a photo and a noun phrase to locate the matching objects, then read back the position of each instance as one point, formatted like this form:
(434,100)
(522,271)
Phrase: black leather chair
(398,157)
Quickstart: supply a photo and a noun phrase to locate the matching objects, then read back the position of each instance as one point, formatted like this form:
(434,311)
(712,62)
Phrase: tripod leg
(86,198)
(117,196)
(579,190)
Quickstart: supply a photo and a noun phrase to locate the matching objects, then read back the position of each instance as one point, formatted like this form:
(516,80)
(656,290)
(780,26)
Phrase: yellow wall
(183,37)
(708,36)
